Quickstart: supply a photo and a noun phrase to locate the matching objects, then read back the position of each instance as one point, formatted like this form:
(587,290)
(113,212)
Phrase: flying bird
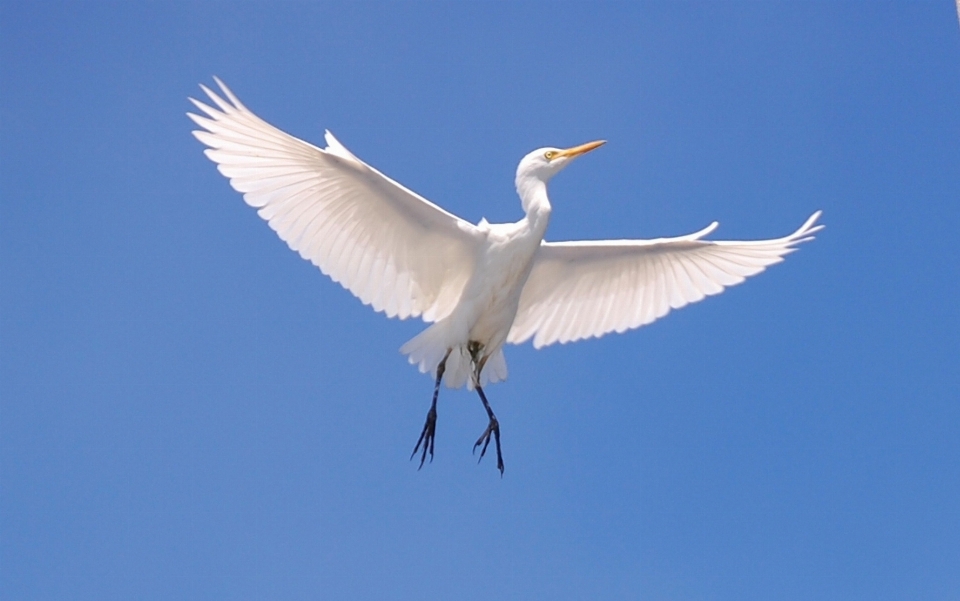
(480,286)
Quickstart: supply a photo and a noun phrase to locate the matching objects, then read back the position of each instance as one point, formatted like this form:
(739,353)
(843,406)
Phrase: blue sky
(189,410)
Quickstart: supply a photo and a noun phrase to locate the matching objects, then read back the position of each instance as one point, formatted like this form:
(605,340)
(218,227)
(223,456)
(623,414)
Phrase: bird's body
(488,306)
(494,290)
(480,285)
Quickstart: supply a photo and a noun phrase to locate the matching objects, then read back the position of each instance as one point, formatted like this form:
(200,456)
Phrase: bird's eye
(549,154)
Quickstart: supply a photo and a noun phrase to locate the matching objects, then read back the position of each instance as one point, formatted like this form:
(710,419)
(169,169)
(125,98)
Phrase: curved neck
(533,196)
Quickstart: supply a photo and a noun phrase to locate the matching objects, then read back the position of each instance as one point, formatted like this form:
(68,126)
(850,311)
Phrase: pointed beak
(576,151)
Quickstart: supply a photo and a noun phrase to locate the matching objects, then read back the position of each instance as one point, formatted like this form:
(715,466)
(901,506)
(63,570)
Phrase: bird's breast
(493,294)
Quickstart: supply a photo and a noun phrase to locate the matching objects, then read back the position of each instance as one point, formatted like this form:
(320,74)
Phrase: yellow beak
(582,149)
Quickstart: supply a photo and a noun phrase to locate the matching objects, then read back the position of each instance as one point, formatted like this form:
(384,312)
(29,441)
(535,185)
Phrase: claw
(484,438)
(493,429)
(427,438)
(429,433)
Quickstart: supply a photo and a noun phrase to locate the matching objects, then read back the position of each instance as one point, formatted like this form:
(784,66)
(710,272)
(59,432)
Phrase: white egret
(479,285)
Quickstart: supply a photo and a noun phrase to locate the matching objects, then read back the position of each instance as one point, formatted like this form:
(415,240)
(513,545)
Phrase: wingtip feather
(810,221)
(229,94)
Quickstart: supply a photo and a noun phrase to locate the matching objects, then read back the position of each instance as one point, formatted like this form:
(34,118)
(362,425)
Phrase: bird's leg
(428,434)
(493,428)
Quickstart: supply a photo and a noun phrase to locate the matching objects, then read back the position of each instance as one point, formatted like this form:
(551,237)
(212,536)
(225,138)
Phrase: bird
(478,286)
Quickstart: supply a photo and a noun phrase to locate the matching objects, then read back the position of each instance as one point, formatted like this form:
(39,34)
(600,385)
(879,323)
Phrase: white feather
(585,283)
(390,247)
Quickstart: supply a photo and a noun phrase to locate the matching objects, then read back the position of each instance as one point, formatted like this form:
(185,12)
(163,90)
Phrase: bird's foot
(493,429)
(427,437)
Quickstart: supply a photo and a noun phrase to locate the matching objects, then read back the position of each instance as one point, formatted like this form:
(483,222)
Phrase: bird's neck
(533,195)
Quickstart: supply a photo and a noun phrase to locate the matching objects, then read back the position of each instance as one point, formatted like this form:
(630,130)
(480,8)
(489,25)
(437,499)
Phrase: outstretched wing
(588,289)
(393,249)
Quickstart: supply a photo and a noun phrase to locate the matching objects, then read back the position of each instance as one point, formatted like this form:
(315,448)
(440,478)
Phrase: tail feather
(428,348)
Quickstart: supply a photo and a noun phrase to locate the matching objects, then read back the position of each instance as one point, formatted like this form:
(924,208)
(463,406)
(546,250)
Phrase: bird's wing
(588,289)
(393,249)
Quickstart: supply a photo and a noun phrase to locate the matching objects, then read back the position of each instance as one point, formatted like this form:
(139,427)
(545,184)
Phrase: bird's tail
(428,348)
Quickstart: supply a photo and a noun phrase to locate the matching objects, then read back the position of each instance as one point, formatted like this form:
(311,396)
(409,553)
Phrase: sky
(189,410)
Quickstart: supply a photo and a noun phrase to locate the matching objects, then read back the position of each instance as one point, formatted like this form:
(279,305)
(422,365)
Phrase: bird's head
(536,169)
(544,163)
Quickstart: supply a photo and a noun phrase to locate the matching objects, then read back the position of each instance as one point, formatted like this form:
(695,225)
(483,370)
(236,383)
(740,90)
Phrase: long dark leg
(493,428)
(429,432)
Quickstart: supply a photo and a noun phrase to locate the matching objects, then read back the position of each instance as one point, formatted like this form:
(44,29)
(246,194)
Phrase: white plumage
(480,285)
(587,289)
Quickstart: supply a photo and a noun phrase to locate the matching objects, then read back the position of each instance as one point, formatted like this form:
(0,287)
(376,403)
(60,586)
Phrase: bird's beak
(582,149)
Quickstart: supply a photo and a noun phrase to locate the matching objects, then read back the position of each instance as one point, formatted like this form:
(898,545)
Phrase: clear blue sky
(191,411)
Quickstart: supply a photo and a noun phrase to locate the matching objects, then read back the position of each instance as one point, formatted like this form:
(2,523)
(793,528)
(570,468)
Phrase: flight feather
(587,289)
(393,249)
